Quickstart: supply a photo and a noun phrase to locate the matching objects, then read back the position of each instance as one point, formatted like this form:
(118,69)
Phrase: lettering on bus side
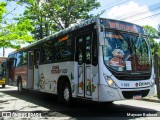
(56,70)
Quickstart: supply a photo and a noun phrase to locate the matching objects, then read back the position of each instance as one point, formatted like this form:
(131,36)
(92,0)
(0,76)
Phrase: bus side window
(25,58)
(62,49)
(19,56)
(42,53)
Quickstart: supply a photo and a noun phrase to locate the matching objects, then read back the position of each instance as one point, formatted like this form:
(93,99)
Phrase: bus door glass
(30,70)
(83,56)
(36,68)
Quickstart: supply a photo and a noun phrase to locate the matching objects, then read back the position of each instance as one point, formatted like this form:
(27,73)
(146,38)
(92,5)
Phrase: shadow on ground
(79,109)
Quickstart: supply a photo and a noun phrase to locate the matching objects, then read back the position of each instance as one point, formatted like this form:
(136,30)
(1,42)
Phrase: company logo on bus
(140,84)
(136,84)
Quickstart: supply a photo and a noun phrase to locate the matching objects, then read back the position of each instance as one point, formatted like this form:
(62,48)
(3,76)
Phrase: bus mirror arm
(101,39)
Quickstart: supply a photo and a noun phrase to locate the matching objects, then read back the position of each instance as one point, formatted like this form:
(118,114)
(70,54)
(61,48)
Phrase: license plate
(137,97)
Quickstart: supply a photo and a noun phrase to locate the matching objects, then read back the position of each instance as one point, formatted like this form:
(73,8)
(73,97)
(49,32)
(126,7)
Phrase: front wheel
(65,94)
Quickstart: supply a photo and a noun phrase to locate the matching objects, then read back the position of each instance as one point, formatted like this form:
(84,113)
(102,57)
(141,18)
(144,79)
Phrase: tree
(2,10)
(152,34)
(13,34)
(54,15)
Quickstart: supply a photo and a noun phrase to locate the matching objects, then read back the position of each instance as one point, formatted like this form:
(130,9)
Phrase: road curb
(154,99)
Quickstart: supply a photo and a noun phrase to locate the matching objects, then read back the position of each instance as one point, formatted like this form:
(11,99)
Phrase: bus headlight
(110,82)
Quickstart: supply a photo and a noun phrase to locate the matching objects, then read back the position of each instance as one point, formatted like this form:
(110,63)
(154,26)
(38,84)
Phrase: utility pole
(156,68)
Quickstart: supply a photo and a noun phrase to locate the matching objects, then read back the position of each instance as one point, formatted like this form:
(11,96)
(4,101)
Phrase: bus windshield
(126,52)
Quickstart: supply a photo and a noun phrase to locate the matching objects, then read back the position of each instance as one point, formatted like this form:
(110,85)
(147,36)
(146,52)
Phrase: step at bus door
(83,56)
(30,79)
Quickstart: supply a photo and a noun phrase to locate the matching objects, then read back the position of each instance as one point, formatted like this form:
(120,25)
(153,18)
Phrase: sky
(141,12)
(135,11)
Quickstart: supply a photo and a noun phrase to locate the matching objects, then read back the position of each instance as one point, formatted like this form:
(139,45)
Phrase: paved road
(47,106)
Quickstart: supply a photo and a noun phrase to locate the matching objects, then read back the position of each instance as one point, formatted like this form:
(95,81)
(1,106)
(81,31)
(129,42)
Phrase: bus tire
(20,86)
(65,95)
(3,85)
(110,102)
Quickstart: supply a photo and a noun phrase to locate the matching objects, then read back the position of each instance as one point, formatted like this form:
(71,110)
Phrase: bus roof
(108,23)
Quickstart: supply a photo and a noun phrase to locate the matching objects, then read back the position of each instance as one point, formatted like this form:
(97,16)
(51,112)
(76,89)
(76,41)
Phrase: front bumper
(111,94)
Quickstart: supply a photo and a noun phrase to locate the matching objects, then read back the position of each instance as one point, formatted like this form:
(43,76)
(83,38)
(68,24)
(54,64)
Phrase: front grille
(144,75)
(130,94)
(131,77)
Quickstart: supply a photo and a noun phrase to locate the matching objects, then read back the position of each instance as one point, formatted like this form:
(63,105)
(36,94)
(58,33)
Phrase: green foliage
(13,34)
(152,34)
(54,15)
(2,10)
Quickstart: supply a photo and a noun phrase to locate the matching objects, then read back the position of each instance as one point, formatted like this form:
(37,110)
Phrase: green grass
(155,95)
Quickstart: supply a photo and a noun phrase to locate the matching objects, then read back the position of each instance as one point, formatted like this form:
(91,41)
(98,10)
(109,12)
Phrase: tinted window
(58,49)
(24,58)
(62,48)
(19,59)
(46,52)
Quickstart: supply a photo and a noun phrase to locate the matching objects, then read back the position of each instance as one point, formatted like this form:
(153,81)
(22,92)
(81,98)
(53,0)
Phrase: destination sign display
(64,38)
(121,25)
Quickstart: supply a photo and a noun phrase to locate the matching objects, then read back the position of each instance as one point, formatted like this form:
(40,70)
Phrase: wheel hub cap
(66,94)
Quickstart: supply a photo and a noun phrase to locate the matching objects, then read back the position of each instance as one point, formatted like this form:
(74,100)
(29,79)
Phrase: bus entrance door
(83,56)
(36,69)
(30,70)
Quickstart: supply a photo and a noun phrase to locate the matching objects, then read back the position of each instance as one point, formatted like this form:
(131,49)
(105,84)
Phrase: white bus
(98,59)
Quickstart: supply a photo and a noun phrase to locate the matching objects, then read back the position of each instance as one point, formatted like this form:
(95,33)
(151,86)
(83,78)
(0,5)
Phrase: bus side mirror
(101,38)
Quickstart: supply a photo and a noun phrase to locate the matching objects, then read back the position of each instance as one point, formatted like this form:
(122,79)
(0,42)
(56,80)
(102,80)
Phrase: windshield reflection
(126,52)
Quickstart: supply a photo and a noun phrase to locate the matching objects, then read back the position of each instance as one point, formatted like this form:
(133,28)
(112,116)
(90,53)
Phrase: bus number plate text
(125,84)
